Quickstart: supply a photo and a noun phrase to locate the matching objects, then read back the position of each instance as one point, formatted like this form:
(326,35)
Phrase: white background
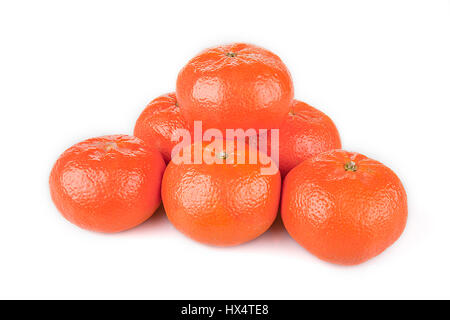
(71,70)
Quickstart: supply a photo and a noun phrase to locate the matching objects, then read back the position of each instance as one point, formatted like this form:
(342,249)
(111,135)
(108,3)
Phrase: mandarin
(107,184)
(343,207)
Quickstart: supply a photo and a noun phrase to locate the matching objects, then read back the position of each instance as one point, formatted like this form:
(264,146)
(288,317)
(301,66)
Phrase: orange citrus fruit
(343,207)
(107,184)
(235,86)
(158,122)
(306,132)
(225,203)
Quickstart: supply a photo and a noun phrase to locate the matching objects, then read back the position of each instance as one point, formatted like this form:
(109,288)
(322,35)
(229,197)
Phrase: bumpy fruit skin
(107,184)
(235,86)
(341,215)
(158,122)
(221,204)
(305,133)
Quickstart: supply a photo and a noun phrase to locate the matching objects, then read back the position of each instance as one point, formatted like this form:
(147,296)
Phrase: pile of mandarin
(227,152)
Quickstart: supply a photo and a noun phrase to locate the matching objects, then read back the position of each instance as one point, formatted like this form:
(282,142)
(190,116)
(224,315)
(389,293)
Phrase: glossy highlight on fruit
(343,207)
(235,86)
(221,204)
(107,184)
(158,122)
